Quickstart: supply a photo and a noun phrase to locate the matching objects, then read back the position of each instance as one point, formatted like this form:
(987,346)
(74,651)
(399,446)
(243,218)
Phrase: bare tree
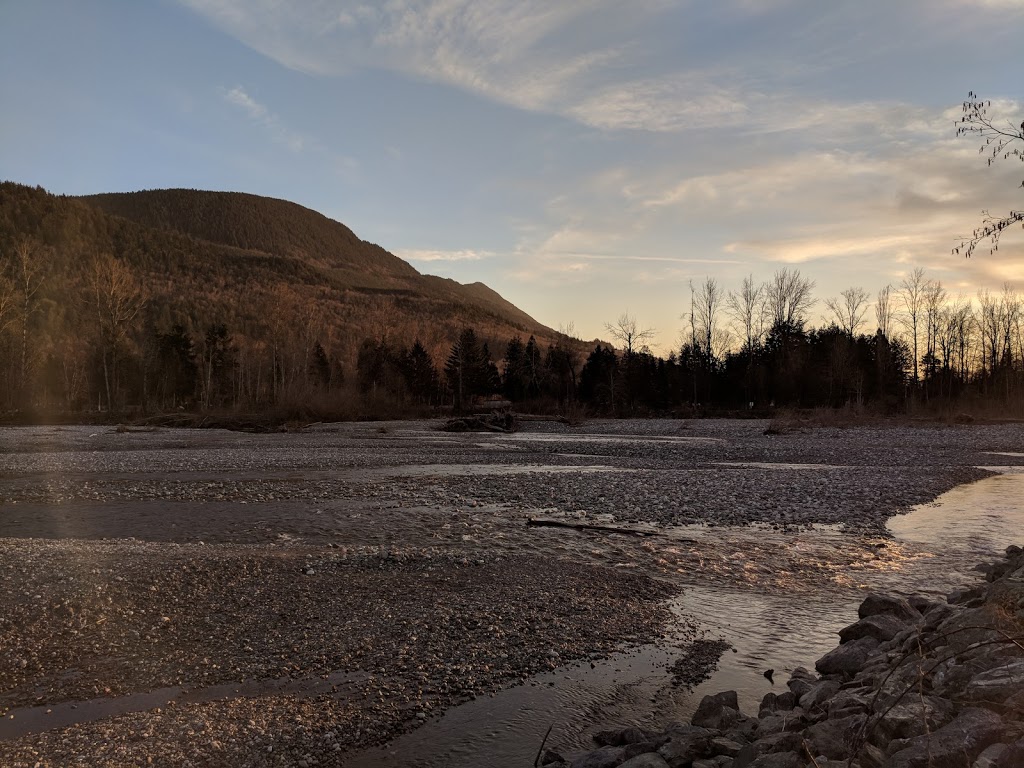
(883,311)
(7,303)
(912,293)
(998,142)
(849,309)
(788,297)
(934,301)
(28,275)
(116,300)
(706,307)
(747,309)
(628,332)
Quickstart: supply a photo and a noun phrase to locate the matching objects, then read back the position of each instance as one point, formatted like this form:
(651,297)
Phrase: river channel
(940,545)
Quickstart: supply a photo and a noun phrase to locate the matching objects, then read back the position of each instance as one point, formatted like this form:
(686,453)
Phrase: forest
(108,318)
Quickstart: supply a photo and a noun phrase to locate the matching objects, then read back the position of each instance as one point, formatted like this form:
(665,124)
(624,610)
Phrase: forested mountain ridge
(280,284)
(285,229)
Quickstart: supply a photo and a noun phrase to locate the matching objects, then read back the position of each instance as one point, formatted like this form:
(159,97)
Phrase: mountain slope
(287,230)
(276,274)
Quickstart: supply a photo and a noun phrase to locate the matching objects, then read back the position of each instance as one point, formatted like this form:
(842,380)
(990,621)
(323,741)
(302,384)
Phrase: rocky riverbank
(914,683)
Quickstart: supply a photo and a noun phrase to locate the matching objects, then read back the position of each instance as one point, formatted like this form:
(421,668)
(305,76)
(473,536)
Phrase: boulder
(955,745)
(997,684)
(990,756)
(819,694)
(723,746)
(881,626)
(847,659)
(646,760)
(888,605)
(778,760)
(605,757)
(720,711)
(685,744)
(911,717)
(618,738)
(835,738)
(965,595)
(776,702)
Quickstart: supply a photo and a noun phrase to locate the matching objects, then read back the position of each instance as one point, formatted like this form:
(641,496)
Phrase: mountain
(235,258)
(264,225)
(105,297)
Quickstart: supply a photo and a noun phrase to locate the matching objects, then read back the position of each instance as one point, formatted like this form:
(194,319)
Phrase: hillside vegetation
(104,298)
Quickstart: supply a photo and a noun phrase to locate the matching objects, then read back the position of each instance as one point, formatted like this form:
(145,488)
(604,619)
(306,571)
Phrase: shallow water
(937,547)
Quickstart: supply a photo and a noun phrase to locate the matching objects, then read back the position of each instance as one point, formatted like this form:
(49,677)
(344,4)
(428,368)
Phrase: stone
(881,626)
(956,745)
(802,673)
(551,758)
(619,738)
(965,595)
(787,741)
(912,717)
(847,659)
(723,746)
(777,702)
(990,756)
(997,684)
(605,757)
(835,738)
(720,711)
(818,696)
(1013,757)
(887,605)
(847,703)
(778,760)
(799,686)
(686,743)
(646,760)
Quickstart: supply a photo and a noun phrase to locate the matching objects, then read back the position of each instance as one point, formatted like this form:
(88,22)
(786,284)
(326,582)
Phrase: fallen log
(545,522)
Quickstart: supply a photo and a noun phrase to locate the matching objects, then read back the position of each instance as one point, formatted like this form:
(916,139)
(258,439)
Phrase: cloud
(434,255)
(262,116)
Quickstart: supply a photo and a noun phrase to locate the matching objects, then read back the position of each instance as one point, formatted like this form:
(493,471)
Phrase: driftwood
(545,522)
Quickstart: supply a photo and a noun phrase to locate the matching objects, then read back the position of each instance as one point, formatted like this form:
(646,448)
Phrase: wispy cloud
(433,255)
(259,114)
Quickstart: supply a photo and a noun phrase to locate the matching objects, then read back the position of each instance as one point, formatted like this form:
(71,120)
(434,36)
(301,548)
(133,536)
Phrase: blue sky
(582,158)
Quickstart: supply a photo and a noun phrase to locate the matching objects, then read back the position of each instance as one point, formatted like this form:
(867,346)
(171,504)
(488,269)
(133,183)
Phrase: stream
(942,543)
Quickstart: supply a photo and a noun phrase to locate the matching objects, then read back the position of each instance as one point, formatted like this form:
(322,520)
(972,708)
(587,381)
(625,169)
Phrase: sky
(584,158)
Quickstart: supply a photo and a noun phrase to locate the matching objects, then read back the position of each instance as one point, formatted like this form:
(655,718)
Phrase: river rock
(605,757)
(911,717)
(776,702)
(990,756)
(835,738)
(882,627)
(778,760)
(646,760)
(956,745)
(819,694)
(888,605)
(965,595)
(997,684)
(847,659)
(719,711)
(685,744)
(720,745)
(619,738)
